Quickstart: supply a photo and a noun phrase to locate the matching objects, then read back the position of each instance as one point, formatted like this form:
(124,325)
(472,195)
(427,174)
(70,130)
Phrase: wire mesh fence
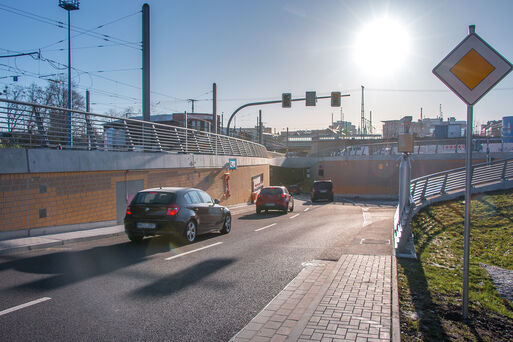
(36,126)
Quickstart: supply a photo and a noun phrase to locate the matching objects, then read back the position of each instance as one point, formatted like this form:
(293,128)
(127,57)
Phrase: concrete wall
(379,178)
(33,196)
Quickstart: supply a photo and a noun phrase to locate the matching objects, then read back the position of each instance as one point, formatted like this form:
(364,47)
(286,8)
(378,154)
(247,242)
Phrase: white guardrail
(32,125)
(444,186)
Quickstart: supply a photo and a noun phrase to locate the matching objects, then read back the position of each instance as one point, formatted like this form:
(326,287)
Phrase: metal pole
(70,137)
(260,127)
(146,62)
(214,107)
(468,207)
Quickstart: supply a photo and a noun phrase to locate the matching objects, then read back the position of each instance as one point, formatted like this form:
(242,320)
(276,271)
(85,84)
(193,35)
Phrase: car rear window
(154,197)
(271,191)
(323,186)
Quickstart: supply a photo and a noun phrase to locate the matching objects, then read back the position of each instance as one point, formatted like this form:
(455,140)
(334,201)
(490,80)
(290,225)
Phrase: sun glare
(382,46)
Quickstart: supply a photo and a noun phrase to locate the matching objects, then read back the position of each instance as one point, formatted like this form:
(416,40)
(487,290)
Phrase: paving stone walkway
(348,300)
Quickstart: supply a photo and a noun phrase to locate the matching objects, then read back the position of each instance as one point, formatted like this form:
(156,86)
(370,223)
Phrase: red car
(274,198)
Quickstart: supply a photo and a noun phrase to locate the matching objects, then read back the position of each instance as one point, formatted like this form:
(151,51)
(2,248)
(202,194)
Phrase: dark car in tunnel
(322,189)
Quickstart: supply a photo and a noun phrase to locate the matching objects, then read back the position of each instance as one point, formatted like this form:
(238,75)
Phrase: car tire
(191,231)
(292,208)
(286,209)
(258,210)
(227,225)
(135,238)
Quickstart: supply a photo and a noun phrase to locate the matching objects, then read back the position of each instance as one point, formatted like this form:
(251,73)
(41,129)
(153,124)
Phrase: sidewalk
(352,299)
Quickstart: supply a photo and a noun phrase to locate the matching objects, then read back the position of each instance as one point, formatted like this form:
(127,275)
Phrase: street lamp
(69,5)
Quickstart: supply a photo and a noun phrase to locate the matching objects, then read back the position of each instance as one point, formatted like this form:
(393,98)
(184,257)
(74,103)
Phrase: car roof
(274,187)
(178,190)
(323,181)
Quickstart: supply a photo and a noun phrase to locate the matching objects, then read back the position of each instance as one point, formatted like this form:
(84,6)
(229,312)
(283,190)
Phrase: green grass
(430,288)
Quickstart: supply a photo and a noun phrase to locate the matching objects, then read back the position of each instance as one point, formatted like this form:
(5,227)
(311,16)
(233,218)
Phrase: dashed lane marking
(294,216)
(194,250)
(22,306)
(306,209)
(269,226)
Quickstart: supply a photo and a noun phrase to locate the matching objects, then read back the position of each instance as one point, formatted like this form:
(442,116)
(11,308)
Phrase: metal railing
(442,183)
(32,125)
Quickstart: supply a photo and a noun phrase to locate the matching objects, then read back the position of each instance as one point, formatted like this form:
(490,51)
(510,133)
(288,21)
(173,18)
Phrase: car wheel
(258,210)
(190,231)
(292,208)
(135,238)
(286,209)
(227,226)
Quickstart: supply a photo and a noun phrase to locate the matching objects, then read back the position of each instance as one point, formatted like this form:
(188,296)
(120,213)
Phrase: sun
(382,46)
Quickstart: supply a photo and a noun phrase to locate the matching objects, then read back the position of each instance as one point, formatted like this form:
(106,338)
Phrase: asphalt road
(113,290)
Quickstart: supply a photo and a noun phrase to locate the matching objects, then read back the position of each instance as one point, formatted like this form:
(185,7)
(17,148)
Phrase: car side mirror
(216,201)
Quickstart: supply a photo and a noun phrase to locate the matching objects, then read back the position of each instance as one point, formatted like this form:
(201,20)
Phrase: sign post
(470,71)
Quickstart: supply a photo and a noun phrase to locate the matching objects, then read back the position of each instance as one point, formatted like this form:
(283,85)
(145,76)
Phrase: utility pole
(214,107)
(362,118)
(261,127)
(69,5)
(420,113)
(287,139)
(146,62)
(370,122)
(331,120)
(192,101)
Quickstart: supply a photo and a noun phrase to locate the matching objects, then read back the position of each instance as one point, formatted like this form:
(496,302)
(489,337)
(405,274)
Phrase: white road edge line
(294,216)
(22,306)
(306,209)
(194,250)
(269,226)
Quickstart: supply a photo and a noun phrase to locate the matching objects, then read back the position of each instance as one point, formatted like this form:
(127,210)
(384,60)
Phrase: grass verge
(430,288)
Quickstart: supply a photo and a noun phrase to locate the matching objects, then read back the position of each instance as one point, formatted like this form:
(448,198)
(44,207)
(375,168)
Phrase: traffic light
(286,100)
(311,98)
(335,99)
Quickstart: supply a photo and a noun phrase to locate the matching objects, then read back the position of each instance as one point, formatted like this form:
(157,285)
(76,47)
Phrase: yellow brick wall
(84,197)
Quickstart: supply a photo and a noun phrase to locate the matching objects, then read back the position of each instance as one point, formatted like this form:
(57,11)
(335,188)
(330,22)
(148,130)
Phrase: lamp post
(69,5)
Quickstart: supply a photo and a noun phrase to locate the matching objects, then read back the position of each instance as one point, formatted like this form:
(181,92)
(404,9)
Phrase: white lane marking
(22,306)
(194,250)
(366,217)
(269,226)
(294,216)
(306,209)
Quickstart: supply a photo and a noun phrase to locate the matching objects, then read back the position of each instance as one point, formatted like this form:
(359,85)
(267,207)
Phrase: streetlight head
(69,5)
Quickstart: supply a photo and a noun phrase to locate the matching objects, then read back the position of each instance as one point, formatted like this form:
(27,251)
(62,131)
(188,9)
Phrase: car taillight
(129,211)
(172,210)
(259,196)
(283,195)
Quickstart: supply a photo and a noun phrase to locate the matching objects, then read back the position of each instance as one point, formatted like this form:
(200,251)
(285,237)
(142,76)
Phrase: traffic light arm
(268,102)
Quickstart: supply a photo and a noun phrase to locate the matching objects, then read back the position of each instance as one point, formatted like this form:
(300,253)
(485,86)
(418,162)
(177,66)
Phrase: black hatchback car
(322,189)
(183,212)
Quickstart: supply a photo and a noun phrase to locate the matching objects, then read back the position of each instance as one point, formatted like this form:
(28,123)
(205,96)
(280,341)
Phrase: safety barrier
(32,125)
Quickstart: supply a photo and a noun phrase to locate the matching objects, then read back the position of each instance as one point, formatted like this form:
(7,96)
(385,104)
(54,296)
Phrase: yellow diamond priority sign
(472,69)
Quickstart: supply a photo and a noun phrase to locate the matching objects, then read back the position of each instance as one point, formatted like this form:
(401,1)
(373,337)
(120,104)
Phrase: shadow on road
(69,267)
(263,215)
(180,280)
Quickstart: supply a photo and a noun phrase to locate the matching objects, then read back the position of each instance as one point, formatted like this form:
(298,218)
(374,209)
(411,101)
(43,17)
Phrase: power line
(81,31)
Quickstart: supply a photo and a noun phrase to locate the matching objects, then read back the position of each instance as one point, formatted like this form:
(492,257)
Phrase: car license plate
(269,204)
(145,225)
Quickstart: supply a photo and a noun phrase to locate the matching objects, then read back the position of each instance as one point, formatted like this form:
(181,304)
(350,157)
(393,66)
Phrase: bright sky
(256,50)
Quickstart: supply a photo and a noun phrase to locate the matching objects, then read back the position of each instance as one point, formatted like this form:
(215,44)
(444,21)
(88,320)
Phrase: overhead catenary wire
(81,31)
